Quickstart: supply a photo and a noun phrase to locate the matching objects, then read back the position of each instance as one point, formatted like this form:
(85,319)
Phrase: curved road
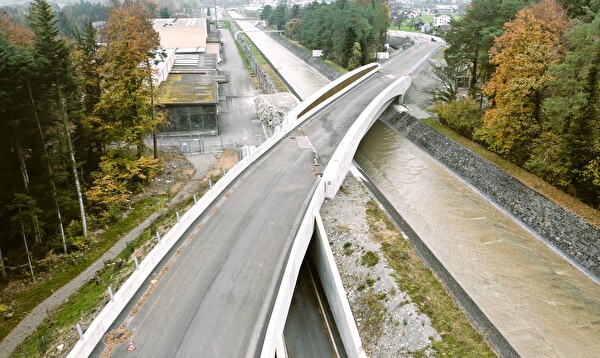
(216,299)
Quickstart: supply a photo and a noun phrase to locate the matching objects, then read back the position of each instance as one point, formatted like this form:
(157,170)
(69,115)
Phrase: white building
(441,20)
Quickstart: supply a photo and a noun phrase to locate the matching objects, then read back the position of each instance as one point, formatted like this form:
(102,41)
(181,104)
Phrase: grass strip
(459,338)
(94,294)
(78,262)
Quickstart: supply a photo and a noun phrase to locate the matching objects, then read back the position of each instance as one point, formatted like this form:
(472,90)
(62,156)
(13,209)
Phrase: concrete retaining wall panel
(335,292)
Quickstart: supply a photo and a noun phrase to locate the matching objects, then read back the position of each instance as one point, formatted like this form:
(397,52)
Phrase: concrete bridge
(239,249)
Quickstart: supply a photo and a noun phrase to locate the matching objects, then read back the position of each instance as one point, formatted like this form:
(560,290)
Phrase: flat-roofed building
(191,103)
(190,92)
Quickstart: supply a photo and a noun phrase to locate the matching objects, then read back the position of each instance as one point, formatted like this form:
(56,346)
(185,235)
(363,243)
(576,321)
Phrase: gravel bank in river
(389,323)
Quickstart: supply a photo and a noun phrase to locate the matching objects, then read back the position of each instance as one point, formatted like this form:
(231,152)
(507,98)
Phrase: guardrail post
(177,214)
(110,293)
(195,199)
(158,236)
(80,331)
(137,264)
(210,183)
(224,171)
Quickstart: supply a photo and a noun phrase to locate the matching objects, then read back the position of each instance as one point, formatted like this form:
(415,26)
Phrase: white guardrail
(332,179)
(107,316)
(340,161)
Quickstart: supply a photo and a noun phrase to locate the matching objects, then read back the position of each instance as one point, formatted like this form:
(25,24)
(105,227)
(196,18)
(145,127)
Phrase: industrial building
(188,81)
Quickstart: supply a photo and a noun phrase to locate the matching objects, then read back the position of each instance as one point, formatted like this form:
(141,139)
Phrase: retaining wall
(571,236)
(266,83)
(334,290)
(329,72)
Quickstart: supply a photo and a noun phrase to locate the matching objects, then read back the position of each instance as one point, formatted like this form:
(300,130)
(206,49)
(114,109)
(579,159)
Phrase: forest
(75,107)
(533,97)
(348,32)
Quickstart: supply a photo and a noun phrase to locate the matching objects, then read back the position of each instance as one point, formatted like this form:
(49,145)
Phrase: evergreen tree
(472,37)
(574,106)
(57,99)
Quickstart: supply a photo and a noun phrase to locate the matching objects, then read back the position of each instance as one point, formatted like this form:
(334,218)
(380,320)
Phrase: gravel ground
(389,323)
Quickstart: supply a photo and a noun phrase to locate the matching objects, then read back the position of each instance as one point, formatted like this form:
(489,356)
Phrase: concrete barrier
(340,161)
(334,290)
(285,291)
(93,334)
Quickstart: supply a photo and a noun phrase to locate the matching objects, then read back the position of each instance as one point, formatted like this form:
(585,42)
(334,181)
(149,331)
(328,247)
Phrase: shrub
(462,115)
(369,259)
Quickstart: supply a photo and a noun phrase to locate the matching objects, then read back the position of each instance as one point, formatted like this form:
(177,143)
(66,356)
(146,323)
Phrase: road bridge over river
(218,295)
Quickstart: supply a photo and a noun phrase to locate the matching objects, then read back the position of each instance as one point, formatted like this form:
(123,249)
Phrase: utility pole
(216,16)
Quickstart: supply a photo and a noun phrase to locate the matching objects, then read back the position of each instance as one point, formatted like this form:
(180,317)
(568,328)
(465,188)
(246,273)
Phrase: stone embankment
(266,83)
(570,235)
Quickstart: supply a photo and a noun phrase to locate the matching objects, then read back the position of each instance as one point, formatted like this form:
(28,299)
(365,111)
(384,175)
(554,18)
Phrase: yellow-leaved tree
(125,104)
(125,109)
(523,54)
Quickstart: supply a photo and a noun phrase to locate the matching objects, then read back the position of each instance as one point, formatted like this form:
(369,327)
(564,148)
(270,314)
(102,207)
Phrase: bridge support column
(399,99)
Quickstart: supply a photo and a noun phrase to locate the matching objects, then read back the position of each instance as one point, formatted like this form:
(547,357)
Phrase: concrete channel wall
(571,236)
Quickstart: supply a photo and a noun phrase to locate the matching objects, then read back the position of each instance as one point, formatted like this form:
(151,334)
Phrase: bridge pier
(399,99)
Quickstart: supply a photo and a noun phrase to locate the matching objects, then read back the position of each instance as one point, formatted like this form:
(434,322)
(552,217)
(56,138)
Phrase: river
(543,305)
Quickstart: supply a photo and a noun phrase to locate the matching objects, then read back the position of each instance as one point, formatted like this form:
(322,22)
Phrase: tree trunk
(26,247)
(50,173)
(152,113)
(73,165)
(473,84)
(25,174)
(2,264)
(155,146)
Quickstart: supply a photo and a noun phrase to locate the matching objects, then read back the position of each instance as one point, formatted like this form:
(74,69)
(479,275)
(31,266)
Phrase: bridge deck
(217,296)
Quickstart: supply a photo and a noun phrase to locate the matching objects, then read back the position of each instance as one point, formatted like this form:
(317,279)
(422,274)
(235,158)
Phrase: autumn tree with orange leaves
(126,77)
(523,54)
(125,110)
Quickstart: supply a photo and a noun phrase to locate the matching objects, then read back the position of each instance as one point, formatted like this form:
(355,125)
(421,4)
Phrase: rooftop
(182,32)
(186,89)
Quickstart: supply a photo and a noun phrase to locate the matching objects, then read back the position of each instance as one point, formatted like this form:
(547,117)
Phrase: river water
(541,304)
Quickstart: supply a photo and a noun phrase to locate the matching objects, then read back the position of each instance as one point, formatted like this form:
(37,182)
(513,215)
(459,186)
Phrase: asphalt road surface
(216,298)
(310,329)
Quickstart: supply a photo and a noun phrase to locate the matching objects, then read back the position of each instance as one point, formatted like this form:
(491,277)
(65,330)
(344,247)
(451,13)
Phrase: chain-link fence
(264,80)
